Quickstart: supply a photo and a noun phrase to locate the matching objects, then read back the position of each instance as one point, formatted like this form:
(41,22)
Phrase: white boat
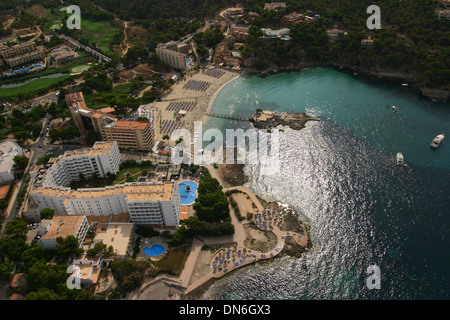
(400,160)
(404,84)
(394,108)
(437,141)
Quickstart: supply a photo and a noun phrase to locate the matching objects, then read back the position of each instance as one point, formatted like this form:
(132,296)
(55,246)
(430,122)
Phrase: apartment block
(168,52)
(147,203)
(102,158)
(22,53)
(154,204)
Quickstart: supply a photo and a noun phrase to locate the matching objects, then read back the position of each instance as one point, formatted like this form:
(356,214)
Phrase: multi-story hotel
(21,53)
(102,158)
(146,203)
(169,53)
(135,135)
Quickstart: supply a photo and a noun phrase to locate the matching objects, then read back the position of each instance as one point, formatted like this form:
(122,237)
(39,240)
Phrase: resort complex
(147,203)
(224,150)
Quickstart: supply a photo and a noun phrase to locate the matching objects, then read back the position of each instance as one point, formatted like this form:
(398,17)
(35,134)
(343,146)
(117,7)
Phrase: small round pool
(188,192)
(188,60)
(154,251)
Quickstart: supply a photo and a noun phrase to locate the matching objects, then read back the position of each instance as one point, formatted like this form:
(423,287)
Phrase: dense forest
(412,39)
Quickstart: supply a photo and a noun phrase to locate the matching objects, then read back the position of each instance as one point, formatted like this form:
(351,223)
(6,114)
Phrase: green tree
(16,228)
(47,213)
(3,204)
(68,247)
(12,248)
(43,294)
(20,164)
(6,269)
(202,52)
(43,275)
(32,255)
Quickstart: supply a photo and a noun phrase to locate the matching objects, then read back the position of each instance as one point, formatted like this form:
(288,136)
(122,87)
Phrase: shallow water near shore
(340,175)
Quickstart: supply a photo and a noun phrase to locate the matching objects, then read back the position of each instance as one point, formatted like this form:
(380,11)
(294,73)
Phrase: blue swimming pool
(188,60)
(36,66)
(154,251)
(188,196)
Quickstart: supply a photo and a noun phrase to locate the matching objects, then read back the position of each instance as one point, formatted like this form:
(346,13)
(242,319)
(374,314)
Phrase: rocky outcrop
(296,121)
(436,94)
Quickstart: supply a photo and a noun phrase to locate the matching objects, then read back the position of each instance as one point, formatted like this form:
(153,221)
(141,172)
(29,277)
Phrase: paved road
(53,97)
(82,46)
(37,149)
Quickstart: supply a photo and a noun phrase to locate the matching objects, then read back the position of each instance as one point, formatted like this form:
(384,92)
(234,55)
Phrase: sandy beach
(195,94)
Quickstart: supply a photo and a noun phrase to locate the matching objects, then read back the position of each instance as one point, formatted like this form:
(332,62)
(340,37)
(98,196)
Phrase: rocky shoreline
(291,222)
(296,121)
(435,94)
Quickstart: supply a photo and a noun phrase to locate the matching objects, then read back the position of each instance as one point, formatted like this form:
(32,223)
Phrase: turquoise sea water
(340,175)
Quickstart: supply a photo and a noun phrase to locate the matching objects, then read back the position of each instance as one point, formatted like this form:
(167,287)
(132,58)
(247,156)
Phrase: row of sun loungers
(168,126)
(182,105)
(216,73)
(197,85)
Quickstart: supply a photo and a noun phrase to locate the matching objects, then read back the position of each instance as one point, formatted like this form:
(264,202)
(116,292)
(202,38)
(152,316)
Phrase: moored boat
(437,141)
(400,160)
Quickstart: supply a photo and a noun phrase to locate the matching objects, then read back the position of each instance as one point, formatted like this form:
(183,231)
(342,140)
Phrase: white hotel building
(146,203)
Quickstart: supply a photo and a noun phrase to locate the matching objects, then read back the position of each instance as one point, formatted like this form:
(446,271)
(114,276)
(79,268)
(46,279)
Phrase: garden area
(130,171)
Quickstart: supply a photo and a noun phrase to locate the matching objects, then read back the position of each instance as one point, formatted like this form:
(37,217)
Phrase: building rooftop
(99,148)
(8,150)
(133,191)
(130,125)
(63,226)
(117,235)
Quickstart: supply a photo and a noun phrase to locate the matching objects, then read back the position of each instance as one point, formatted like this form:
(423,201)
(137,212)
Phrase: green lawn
(33,86)
(98,32)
